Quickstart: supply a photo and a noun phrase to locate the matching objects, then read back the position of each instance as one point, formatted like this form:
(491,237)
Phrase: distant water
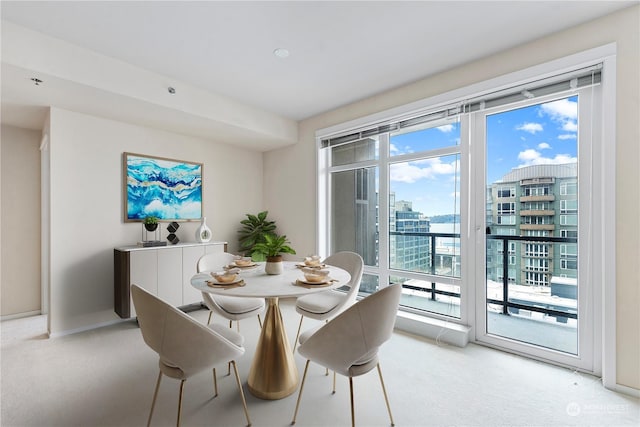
(447,227)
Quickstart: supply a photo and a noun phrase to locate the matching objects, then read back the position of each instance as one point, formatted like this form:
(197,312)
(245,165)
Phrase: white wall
(20,223)
(86,211)
(622,28)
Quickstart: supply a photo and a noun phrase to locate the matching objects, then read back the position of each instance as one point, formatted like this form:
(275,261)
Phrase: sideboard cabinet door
(170,275)
(143,271)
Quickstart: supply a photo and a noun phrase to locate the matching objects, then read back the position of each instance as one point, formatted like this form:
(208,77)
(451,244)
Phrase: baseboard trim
(630,391)
(87,328)
(436,329)
(20,315)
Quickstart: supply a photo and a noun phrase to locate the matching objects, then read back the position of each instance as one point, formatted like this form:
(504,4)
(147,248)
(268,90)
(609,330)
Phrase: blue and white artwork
(164,188)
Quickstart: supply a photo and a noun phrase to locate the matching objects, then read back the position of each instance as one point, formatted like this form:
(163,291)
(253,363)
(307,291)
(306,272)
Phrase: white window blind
(573,80)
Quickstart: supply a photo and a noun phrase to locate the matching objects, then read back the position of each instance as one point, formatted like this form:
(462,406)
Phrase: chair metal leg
(230,323)
(304,376)
(326,370)
(353,415)
(295,343)
(155,395)
(244,402)
(210,314)
(215,383)
(334,383)
(259,321)
(180,402)
(384,391)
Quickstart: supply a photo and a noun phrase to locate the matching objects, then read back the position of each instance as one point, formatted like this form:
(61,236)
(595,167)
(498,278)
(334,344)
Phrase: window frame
(603,227)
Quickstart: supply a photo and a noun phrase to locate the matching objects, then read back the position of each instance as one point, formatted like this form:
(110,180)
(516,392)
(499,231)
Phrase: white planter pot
(273,266)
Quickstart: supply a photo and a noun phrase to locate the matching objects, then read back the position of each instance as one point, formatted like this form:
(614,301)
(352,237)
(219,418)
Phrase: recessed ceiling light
(281,52)
(171,90)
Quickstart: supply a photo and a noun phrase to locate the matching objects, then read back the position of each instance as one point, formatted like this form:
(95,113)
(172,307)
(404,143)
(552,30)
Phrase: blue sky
(540,134)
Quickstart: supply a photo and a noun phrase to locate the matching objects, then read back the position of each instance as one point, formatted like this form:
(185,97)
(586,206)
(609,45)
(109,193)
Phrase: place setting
(314,277)
(312,261)
(226,279)
(242,263)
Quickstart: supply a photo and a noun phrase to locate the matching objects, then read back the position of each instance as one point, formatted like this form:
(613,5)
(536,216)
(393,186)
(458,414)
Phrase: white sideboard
(164,271)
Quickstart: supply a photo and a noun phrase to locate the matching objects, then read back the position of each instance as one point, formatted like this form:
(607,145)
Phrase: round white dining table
(273,374)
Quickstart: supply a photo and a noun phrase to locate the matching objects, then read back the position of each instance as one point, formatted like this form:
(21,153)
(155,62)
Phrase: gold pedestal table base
(273,373)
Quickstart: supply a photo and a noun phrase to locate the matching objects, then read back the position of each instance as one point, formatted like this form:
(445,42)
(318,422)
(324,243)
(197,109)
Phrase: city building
(539,202)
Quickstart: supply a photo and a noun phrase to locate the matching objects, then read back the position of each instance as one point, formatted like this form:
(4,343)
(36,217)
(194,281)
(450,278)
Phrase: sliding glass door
(537,297)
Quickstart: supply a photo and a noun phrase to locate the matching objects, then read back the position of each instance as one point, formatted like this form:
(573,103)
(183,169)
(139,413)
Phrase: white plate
(234,265)
(215,282)
(306,282)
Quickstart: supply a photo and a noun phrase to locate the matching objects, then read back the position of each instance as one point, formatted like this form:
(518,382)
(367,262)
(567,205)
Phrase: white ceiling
(340,52)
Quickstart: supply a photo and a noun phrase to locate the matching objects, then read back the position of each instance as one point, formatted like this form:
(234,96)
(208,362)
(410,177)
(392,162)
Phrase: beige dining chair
(325,305)
(231,308)
(349,343)
(185,346)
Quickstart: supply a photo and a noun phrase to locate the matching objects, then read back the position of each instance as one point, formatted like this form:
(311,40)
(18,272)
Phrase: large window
(395,199)
(429,206)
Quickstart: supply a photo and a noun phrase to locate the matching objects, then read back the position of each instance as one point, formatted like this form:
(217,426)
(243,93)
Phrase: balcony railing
(432,258)
(546,308)
(560,312)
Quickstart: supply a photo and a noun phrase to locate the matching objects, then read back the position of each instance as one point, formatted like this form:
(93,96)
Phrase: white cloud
(561,110)
(532,157)
(393,148)
(567,136)
(564,112)
(544,146)
(528,155)
(532,128)
(445,128)
(570,126)
(414,171)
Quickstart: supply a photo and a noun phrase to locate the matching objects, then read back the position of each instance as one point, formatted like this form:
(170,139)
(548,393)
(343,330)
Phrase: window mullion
(383,212)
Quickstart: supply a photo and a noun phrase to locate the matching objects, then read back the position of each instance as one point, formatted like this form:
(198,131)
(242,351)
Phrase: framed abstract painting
(168,189)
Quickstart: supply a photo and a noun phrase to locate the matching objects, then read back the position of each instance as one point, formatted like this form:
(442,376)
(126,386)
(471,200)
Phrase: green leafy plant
(151,223)
(273,245)
(254,228)
(150,220)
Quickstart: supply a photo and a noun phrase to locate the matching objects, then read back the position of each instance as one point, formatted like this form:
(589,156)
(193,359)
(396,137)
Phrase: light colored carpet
(106,377)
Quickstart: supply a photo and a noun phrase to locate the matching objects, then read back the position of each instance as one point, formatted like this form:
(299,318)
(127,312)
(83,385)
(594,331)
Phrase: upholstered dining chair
(231,308)
(349,343)
(185,346)
(325,305)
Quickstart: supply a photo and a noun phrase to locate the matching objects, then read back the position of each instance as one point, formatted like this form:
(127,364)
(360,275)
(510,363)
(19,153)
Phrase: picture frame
(169,189)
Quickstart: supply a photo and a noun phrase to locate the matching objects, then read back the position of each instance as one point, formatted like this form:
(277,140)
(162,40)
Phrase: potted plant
(271,250)
(151,223)
(254,228)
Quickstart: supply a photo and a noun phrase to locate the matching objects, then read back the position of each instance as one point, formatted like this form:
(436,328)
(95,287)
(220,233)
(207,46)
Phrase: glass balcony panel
(429,296)
(370,283)
(541,296)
